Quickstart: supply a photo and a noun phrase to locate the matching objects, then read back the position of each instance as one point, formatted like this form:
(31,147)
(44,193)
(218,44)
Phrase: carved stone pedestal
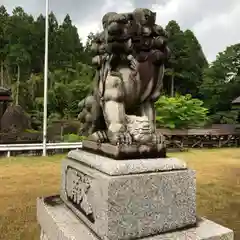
(58,222)
(122,199)
(103,198)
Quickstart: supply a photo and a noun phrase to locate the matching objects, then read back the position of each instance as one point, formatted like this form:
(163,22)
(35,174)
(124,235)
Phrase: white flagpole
(45,81)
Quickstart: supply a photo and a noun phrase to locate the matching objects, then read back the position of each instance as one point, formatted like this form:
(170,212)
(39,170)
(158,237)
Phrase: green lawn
(23,179)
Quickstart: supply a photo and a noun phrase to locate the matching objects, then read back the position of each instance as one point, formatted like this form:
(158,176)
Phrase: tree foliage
(221,85)
(22,63)
(71,74)
(180,112)
(185,68)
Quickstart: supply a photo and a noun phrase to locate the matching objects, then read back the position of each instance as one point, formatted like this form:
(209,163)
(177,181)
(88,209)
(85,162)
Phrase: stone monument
(121,185)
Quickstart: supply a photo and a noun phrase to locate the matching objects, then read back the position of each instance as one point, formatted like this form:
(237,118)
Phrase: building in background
(5,99)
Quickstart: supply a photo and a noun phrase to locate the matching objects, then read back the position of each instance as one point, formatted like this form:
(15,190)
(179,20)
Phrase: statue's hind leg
(114,110)
(147,109)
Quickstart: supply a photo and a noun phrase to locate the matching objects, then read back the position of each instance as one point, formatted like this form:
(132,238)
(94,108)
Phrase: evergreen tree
(71,46)
(4,17)
(221,84)
(195,63)
(185,68)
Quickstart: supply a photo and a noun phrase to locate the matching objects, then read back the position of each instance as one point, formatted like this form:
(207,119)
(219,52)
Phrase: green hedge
(180,112)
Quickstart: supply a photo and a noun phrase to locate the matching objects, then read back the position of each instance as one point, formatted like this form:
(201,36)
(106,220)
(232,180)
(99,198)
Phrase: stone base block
(126,199)
(57,222)
(122,152)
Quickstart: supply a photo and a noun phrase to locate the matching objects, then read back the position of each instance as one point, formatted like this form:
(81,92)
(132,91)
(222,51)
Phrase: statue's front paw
(121,138)
(158,138)
(99,136)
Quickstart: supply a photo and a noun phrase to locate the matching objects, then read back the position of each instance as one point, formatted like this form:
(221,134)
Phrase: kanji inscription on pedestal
(77,188)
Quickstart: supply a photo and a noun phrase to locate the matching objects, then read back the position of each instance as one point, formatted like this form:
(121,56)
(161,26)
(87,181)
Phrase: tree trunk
(8,77)
(32,86)
(18,84)
(2,74)
(50,79)
(172,85)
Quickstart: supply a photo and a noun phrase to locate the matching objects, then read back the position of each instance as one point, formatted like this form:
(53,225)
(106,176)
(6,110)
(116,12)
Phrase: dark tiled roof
(5,91)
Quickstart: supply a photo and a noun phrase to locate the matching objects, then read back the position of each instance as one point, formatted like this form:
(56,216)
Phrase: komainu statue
(130,55)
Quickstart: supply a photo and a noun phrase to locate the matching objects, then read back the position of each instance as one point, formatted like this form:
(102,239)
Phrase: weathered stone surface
(59,223)
(113,167)
(43,236)
(144,200)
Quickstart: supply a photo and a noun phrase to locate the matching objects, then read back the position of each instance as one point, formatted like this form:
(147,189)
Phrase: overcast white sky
(213,21)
